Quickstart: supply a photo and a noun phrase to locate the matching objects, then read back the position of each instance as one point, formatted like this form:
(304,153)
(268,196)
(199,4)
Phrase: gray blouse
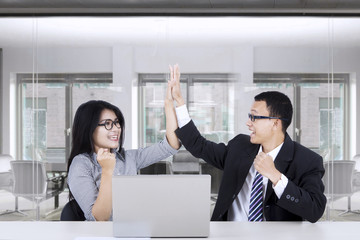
(85,171)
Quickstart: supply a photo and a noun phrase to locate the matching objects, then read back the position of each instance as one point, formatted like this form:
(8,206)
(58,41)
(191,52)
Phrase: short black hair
(278,105)
(86,120)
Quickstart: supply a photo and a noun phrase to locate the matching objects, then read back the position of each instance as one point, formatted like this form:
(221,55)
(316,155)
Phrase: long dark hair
(86,120)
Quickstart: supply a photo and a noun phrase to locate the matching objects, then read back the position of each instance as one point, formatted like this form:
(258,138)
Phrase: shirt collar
(273,153)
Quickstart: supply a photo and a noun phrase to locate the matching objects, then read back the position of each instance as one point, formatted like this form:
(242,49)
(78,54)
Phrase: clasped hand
(106,160)
(264,164)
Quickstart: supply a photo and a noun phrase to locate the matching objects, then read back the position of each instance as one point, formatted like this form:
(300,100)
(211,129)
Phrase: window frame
(300,78)
(188,78)
(62,78)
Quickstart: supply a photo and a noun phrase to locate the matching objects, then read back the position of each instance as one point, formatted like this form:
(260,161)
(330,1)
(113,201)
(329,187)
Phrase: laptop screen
(161,206)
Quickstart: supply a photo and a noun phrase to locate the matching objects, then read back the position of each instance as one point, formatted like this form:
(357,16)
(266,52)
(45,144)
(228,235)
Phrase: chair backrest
(356,158)
(6,177)
(338,177)
(72,212)
(183,161)
(5,160)
(30,178)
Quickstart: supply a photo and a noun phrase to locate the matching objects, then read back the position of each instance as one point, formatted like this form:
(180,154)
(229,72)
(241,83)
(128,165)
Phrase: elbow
(318,213)
(173,142)
(176,145)
(100,216)
(313,220)
(100,219)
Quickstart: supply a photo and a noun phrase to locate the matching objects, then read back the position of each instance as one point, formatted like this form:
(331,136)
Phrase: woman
(97,154)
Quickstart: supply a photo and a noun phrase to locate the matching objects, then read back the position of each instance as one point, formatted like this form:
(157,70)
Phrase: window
(317,108)
(48,108)
(209,98)
(34,119)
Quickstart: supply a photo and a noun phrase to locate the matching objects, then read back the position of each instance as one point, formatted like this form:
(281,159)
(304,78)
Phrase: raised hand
(174,83)
(171,121)
(169,97)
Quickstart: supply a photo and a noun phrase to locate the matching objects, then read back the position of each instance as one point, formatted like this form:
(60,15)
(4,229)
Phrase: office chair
(161,167)
(338,179)
(7,181)
(356,179)
(72,212)
(216,176)
(355,182)
(185,163)
(31,182)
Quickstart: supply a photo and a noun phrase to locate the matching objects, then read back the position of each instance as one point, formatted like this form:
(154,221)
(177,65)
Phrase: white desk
(218,230)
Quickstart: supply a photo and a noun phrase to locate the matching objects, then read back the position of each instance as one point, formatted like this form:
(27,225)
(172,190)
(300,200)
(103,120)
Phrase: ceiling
(11,7)
(170,31)
(230,22)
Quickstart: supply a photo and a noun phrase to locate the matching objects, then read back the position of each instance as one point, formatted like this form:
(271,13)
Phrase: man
(288,175)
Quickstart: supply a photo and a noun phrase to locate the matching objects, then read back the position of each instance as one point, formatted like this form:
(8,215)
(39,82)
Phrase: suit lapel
(282,162)
(252,151)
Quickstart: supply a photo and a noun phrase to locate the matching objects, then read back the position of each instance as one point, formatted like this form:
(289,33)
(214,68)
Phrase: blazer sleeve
(198,146)
(304,195)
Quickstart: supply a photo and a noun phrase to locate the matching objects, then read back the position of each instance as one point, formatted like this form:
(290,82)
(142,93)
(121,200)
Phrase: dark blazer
(303,197)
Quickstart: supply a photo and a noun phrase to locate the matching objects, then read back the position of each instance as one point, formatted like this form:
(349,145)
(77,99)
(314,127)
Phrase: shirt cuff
(280,186)
(182,115)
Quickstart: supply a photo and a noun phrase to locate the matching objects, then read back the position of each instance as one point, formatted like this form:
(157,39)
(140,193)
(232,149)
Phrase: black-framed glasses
(109,124)
(254,117)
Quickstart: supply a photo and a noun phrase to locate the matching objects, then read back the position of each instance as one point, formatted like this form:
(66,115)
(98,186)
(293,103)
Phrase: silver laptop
(161,206)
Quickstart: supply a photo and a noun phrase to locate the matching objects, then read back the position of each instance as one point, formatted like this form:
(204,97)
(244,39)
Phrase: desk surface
(218,230)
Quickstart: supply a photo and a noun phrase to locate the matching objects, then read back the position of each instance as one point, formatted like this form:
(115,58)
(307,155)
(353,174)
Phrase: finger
(262,154)
(100,152)
(171,72)
(177,80)
(177,72)
(171,84)
(168,90)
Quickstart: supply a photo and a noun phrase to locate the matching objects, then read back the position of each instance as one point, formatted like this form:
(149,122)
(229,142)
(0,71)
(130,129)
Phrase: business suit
(303,197)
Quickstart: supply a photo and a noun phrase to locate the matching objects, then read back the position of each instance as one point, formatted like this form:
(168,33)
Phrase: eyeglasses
(109,124)
(253,117)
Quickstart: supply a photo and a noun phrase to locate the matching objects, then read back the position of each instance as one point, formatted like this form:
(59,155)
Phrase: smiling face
(103,138)
(262,131)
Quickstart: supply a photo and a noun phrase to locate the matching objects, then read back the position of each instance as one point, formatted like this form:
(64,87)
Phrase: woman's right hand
(102,207)
(106,160)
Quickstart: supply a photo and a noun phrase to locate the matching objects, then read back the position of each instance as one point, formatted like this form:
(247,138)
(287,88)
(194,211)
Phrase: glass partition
(51,65)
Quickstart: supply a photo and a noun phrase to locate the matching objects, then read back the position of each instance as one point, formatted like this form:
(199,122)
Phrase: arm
(191,138)
(81,181)
(198,146)
(102,207)
(171,122)
(304,196)
(144,157)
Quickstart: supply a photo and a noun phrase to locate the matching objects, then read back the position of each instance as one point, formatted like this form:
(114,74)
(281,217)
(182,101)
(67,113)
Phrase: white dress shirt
(239,209)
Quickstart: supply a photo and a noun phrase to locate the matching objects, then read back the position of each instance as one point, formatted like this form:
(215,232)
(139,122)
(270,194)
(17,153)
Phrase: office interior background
(51,61)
